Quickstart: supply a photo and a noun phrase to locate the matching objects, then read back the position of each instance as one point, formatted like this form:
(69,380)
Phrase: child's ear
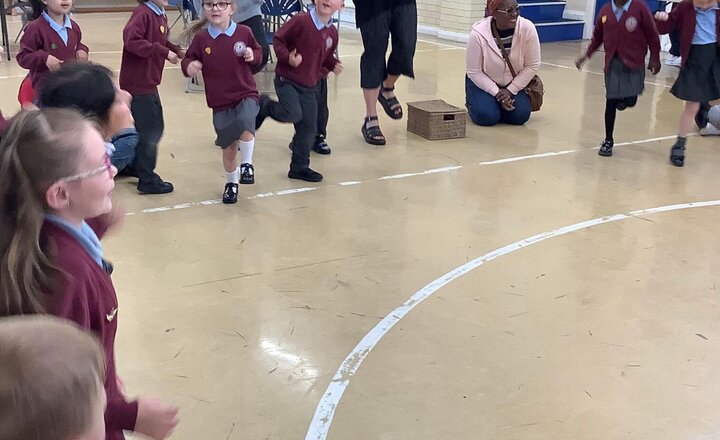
(57,197)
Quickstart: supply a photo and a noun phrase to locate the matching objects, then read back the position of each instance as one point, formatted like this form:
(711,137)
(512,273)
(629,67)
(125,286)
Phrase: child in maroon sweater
(146,48)
(225,53)
(49,40)
(627,30)
(304,46)
(51,259)
(699,78)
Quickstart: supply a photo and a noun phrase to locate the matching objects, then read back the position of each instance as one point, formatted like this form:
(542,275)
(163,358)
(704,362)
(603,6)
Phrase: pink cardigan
(486,66)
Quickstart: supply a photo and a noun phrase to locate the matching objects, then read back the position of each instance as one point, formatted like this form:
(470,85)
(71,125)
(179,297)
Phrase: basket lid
(434,106)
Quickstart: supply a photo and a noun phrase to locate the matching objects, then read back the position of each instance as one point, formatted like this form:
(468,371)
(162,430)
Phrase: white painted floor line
(600,73)
(395,176)
(325,411)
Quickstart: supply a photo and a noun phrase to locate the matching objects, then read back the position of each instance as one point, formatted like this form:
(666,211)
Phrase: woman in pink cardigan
(492,94)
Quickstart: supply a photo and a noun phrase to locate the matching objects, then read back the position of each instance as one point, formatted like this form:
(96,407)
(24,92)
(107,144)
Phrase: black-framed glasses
(221,6)
(510,11)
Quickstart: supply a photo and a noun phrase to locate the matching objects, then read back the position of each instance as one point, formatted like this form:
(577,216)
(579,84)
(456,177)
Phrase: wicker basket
(436,120)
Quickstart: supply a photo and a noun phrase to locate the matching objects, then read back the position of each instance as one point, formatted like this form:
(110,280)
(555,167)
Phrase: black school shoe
(307,175)
(606,148)
(320,146)
(230,195)
(157,186)
(247,174)
(702,117)
(677,155)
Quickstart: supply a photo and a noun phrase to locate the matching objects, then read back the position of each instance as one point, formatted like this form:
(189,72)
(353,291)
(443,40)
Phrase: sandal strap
(371,118)
(387,89)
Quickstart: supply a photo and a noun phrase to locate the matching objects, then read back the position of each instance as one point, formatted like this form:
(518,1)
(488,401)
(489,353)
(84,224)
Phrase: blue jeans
(484,109)
(124,142)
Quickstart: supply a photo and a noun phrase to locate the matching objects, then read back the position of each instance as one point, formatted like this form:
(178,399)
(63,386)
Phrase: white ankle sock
(246,151)
(233,177)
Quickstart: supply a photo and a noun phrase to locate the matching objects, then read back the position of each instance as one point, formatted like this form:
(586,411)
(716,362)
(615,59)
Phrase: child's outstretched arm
(284,40)
(597,40)
(653,39)
(667,23)
(135,42)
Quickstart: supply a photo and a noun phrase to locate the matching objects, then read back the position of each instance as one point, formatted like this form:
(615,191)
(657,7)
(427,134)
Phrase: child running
(145,49)
(51,39)
(699,78)
(226,52)
(304,46)
(627,30)
(55,206)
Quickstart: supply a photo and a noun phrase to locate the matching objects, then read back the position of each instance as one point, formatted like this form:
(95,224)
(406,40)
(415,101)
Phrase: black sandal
(677,155)
(372,135)
(606,148)
(389,104)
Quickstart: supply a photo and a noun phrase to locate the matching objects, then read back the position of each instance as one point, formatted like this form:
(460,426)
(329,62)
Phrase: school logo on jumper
(239,48)
(208,50)
(631,24)
(603,19)
(53,46)
(162,29)
(110,316)
(328,42)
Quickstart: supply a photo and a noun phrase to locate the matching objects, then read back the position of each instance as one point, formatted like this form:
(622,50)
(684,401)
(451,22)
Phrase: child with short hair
(146,48)
(699,78)
(627,30)
(304,46)
(55,206)
(49,40)
(226,52)
(51,381)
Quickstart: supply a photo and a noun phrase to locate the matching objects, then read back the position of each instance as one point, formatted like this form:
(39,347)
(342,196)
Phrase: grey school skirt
(231,123)
(699,78)
(622,81)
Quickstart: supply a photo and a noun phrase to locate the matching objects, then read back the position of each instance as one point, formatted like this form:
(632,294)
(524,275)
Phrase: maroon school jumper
(145,49)
(317,48)
(87,297)
(228,77)
(40,41)
(684,16)
(629,39)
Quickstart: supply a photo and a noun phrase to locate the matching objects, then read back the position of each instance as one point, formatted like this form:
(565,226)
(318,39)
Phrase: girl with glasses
(55,206)
(226,52)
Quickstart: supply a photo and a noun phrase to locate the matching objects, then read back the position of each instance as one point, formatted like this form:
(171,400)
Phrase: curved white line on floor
(325,411)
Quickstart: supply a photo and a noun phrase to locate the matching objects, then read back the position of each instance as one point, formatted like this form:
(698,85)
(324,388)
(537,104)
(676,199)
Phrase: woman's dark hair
(86,87)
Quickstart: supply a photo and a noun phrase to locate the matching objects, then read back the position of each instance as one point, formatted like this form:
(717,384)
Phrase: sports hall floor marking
(325,411)
(447,169)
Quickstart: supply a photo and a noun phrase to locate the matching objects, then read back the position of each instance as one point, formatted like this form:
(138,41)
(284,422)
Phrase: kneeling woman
(492,93)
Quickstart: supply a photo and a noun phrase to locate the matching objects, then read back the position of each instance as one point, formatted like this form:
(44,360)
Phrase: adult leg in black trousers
(149,123)
(258,29)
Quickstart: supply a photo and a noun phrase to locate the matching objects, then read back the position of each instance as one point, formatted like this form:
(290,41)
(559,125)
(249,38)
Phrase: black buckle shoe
(230,195)
(606,148)
(321,147)
(247,174)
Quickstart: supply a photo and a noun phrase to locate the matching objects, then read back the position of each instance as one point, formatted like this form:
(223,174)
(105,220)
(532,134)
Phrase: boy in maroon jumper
(627,30)
(146,47)
(49,40)
(303,45)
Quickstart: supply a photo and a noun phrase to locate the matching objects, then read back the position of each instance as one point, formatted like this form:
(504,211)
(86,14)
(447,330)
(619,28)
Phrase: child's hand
(580,61)
(249,55)
(654,67)
(156,419)
(53,63)
(295,58)
(81,55)
(194,68)
(181,54)
(173,58)
(661,16)
(338,68)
